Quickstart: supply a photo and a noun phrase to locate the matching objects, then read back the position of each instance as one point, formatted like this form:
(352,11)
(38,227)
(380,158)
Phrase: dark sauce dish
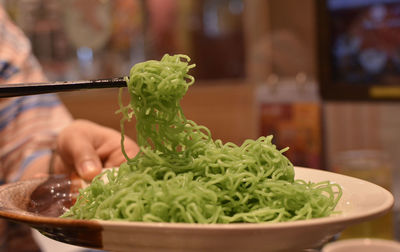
(40,202)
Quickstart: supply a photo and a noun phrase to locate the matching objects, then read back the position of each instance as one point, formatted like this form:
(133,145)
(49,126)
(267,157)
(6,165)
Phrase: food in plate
(182,175)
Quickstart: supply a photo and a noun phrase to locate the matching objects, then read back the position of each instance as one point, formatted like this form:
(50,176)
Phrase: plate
(39,202)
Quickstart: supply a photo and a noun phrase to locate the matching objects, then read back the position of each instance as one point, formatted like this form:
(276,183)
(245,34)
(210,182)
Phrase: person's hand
(86,147)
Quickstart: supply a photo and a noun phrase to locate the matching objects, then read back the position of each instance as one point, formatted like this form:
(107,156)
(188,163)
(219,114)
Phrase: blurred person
(37,132)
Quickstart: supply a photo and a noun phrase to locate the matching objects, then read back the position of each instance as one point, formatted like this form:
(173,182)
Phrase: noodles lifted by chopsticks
(182,175)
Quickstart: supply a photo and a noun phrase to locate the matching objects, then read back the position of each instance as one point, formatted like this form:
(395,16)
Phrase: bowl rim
(35,219)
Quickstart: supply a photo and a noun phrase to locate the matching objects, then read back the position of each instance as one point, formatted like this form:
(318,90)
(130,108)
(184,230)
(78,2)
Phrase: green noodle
(182,175)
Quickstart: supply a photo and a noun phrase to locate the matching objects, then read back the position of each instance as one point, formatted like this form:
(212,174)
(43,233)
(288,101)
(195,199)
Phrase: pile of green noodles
(182,175)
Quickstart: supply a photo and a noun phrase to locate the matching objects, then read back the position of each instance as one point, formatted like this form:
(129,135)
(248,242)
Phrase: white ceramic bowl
(363,245)
(361,201)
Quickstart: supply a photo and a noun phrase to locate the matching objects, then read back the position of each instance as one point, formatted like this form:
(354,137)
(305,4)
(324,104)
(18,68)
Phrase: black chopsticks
(21,89)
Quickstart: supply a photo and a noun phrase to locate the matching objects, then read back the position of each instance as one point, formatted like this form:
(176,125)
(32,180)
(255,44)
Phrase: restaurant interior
(321,76)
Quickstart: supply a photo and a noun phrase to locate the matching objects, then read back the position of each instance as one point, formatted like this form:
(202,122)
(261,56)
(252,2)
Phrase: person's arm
(33,129)
(28,125)
(85,148)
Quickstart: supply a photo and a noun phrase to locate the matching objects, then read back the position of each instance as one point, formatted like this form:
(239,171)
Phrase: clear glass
(373,166)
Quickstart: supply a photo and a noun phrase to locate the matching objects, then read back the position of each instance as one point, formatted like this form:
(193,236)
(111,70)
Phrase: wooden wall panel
(227,108)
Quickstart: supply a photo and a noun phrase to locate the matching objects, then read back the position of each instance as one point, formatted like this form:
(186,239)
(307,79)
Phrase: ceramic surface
(364,245)
(39,202)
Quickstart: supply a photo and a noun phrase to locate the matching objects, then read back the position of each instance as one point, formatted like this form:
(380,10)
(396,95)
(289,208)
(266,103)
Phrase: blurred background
(321,76)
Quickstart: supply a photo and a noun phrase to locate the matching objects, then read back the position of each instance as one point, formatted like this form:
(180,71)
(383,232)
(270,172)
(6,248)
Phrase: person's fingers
(111,153)
(77,148)
(88,147)
(58,166)
(40,175)
(131,148)
(87,163)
